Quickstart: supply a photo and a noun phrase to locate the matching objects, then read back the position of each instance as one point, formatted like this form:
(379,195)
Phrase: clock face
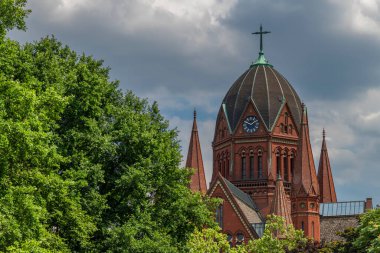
(251,124)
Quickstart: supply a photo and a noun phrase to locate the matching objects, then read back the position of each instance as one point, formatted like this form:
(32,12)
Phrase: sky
(186,54)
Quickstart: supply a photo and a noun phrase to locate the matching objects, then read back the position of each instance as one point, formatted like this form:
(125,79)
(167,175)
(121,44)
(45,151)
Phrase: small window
(260,166)
(292,165)
(229,239)
(282,128)
(239,238)
(251,166)
(219,216)
(285,162)
(243,165)
(303,226)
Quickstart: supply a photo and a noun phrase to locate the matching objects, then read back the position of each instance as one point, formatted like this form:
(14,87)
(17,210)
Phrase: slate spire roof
(280,204)
(195,161)
(325,178)
(305,182)
(267,89)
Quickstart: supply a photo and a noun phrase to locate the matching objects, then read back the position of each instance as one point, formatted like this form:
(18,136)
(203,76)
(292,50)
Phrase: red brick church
(263,162)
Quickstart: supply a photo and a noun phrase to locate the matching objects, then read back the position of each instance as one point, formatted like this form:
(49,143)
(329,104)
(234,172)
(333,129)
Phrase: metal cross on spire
(261,36)
(261,60)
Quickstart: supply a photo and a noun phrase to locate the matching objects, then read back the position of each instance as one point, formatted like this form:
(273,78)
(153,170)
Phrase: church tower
(305,188)
(325,178)
(195,161)
(256,132)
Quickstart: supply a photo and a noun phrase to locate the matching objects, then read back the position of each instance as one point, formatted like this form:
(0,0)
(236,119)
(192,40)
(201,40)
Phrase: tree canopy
(84,167)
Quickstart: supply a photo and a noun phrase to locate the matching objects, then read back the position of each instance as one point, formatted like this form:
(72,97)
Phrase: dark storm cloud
(189,56)
(305,46)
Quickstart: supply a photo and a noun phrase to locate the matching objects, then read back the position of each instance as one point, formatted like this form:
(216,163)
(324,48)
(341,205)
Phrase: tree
(12,15)
(83,166)
(277,238)
(364,238)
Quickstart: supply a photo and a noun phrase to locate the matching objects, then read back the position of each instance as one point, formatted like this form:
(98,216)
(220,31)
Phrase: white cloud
(353,136)
(359,16)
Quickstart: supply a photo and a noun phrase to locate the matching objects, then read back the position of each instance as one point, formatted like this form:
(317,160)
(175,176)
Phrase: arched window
(219,216)
(290,128)
(282,128)
(260,163)
(251,165)
(286,122)
(239,238)
(227,166)
(229,239)
(285,162)
(302,226)
(243,167)
(292,164)
(278,163)
(312,229)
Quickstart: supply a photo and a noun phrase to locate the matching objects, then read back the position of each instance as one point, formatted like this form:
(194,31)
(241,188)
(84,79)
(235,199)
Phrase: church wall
(232,223)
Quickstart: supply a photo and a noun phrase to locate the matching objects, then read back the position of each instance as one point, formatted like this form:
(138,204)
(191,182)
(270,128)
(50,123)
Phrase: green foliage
(277,238)
(369,232)
(12,15)
(364,238)
(84,167)
(275,228)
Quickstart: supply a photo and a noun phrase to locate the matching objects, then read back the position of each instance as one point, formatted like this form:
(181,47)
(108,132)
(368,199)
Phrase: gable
(285,125)
(222,130)
(250,111)
(234,219)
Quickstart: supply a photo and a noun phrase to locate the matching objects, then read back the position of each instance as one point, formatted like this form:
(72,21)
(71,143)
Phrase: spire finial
(195,113)
(261,60)
(261,37)
(324,133)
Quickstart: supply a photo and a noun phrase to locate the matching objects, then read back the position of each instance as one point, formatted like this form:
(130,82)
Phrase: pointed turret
(325,178)
(280,204)
(195,161)
(305,188)
(305,182)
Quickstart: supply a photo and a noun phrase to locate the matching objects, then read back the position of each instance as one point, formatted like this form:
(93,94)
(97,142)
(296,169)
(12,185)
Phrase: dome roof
(268,90)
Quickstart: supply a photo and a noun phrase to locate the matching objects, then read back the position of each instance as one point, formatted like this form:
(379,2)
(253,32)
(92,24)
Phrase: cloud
(186,54)
(352,139)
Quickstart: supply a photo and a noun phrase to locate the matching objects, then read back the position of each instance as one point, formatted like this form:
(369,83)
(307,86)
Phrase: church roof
(195,161)
(240,194)
(267,89)
(305,182)
(325,178)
